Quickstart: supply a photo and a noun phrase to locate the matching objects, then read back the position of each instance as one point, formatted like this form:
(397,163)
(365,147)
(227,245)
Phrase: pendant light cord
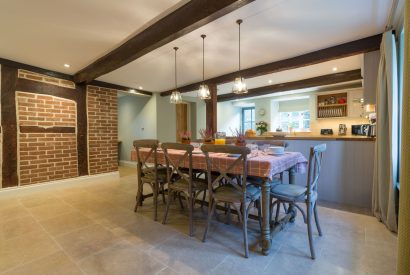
(176,86)
(239,22)
(203,57)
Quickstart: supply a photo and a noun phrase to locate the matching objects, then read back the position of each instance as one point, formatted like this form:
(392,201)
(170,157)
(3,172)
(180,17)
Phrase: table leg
(266,238)
(292,180)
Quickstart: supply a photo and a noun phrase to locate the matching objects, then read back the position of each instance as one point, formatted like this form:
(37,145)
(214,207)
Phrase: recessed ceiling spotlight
(140,87)
(67,65)
(270,81)
(334,69)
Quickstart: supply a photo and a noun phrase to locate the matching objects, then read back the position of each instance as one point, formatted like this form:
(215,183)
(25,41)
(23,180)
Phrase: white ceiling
(272,30)
(49,33)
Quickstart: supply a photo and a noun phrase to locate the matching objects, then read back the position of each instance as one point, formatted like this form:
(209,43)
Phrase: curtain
(385,194)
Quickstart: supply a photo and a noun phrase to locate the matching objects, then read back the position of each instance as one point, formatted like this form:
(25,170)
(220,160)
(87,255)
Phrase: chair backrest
(281,143)
(142,162)
(315,163)
(235,173)
(176,162)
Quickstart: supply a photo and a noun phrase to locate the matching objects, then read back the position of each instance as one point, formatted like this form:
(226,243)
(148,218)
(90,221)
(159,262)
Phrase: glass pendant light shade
(203,92)
(176,97)
(239,86)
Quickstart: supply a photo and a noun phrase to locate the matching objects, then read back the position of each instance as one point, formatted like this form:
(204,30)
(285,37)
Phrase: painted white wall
(229,117)
(136,120)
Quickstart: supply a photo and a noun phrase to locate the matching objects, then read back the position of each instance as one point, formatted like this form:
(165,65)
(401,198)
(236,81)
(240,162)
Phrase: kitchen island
(347,169)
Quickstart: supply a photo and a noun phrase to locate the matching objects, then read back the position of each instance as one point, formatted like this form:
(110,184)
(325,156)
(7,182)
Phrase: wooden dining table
(261,165)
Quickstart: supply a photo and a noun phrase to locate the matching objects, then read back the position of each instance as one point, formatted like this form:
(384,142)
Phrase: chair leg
(155,195)
(245,229)
(164,220)
(228,217)
(309,226)
(212,205)
(317,220)
(180,201)
(258,206)
(190,213)
(277,212)
(138,198)
(203,199)
(163,193)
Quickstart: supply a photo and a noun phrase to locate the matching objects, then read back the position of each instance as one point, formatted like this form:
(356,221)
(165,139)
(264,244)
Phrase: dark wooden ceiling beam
(34,69)
(295,85)
(190,16)
(360,46)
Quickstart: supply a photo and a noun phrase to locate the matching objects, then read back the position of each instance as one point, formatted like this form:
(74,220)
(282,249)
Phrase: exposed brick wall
(46,156)
(45,110)
(102,130)
(46,79)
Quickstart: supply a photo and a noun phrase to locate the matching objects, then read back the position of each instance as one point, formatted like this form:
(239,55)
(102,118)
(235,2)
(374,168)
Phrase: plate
(276,154)
(197,152)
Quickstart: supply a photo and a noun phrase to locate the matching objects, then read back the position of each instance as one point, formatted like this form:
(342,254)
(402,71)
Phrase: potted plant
(262,127)
(240,138)
(185,137)
(207,136)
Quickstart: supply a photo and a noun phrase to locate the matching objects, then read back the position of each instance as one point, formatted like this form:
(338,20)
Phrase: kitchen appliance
(326,131)
(342,129)
(361,130)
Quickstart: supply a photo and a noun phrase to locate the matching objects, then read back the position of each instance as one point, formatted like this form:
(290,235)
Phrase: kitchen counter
(315,137)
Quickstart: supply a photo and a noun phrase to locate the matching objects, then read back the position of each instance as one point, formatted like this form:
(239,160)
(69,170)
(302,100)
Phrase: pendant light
(203,92)
(176,97)
(239,85)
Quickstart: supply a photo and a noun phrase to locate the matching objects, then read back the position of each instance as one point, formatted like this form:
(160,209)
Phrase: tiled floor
(88,227)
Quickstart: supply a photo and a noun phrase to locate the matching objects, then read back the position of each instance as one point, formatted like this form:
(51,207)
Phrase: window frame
(253,122)
(300,121)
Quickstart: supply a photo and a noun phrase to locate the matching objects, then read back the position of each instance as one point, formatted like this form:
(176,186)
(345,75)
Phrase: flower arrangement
(206,135)
(262,127)
(185,137)
(240,138)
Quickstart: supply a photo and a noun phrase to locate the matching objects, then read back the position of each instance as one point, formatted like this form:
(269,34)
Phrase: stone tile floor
(88,227)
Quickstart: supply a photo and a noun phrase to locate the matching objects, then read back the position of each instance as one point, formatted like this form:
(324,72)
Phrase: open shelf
(328,106)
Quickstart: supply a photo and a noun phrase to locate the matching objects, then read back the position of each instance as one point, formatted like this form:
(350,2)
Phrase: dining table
(261,165)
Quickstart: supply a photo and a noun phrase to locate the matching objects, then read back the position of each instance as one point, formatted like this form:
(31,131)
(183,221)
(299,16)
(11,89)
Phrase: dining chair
(149,172)
(186,184)
(236,190)
(292,193)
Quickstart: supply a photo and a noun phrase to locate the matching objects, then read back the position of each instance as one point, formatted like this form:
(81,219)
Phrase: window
(248,118)
(296,120)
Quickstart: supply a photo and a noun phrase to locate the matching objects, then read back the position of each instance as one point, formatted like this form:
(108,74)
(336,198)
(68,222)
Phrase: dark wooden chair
(292,193)
(149,173)
(235,191)
(186,185)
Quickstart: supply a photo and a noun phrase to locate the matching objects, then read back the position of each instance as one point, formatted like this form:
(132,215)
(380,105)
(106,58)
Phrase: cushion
(291,191)
(229,193)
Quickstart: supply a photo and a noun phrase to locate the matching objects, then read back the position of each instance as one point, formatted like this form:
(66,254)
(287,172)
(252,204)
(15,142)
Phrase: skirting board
(58,182)
(128,163)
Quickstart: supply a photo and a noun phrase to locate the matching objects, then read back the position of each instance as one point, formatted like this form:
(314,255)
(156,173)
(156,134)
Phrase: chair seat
(228,193)
(288,191)
(182,185)
(149,174)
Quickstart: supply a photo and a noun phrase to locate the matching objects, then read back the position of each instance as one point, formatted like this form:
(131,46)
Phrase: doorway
(182,119)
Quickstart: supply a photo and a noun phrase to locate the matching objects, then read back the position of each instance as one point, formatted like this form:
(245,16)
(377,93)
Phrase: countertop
(315,137)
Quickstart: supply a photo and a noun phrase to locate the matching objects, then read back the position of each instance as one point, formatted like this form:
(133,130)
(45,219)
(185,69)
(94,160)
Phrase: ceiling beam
(360,46)
(296,85)
(192,15)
